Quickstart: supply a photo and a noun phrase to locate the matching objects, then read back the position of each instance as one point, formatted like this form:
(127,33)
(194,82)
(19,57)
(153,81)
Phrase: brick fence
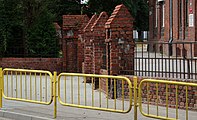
(50,64)
(192,92)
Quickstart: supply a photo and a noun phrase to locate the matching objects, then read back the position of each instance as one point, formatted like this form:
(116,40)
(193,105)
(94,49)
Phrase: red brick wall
(73,54)
(50,64)
(181,30)
(192,94)
(88,48)
(119,37)
(99,46)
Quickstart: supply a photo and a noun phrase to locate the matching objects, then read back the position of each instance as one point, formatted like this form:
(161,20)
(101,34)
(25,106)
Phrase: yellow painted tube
(30,85)
(40,86)
(148,99)
(54,94)
(16,85)
(46,87)
(35,89)
(65,89)
(78,91)
(72,95)
(135,97)
(85,91)
(107,92)
(1,87)
(187,114)
(122,95)
(7,82)
(177,116)
(157,91)
(21,85)
(92,91)
(115,94)
(100,93)
(11,84)
(25,85)
(167,101)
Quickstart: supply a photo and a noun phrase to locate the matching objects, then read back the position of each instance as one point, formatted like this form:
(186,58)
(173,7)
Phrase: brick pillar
(167,22)
(98,30)
(64,51)
(175,20)
(88,57)
(183,19)
(151,19)
(80,54)
(119,37)
(71,55)
(88,48)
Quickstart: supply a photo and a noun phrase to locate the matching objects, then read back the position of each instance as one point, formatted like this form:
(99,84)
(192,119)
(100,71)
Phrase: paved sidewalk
(25,111)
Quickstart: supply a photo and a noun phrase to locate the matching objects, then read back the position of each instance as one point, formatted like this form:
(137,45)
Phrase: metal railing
(74,91)
(146,84)
(95,92)
(33,86)
(171,60)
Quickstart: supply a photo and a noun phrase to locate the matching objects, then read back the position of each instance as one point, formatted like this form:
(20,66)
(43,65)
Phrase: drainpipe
(171,31)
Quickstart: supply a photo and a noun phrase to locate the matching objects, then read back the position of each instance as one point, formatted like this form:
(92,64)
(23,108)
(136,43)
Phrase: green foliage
(26,28)
(10,19)
(65,7)
(138,9)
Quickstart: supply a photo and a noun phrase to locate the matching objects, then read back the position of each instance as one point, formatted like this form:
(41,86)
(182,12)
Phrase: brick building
(173,21)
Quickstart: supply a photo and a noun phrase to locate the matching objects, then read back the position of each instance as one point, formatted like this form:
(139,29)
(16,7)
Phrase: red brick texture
(119,38)
(50,64)
(88,48)
(181,29)
(72,43)
(151,94)
(99,47)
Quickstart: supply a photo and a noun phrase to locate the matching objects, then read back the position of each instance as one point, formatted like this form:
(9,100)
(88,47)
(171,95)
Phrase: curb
(20,116)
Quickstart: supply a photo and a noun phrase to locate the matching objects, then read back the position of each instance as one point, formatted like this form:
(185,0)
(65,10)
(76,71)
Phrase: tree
(138,9)
(10,24)
(25,26)
(65,7)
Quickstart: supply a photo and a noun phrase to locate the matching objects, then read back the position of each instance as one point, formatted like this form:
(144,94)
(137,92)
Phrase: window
(163,15)
(186,13)
(156,14)
(180,13)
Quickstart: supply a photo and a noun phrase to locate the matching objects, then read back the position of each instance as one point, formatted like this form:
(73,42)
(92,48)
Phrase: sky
(84,1)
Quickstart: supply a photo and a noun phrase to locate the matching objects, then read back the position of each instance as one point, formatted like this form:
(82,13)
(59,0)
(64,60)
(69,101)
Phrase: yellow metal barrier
(78,90)
(153,84)
(96,92)
(34,86)
(1,87)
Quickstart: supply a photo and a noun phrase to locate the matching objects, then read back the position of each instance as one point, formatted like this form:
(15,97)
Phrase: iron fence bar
(176,62)
(142,58)
(147,64)
(191,53)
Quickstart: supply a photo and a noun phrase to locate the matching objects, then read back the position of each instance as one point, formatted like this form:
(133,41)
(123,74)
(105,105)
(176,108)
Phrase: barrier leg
(135,97)
(1,87)
(54,94)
